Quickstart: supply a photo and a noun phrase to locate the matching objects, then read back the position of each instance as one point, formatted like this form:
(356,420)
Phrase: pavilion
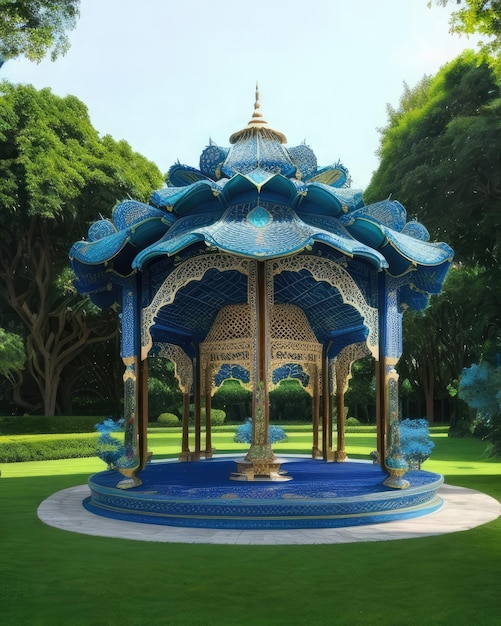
(259,265)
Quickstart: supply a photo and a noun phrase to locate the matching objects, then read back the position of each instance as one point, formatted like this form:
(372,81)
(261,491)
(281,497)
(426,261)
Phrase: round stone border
(463,509)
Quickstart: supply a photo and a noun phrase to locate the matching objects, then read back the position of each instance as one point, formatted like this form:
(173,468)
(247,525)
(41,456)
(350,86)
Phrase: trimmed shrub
(47,449)
(168,419)
(217,417)
(352,421)
(41,425)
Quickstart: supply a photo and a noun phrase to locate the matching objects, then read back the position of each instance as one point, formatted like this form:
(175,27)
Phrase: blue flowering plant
(480,387)
(109,449)
(415,441)
(244,433)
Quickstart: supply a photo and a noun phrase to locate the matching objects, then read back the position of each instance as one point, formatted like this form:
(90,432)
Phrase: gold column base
(265,471)
(185,457)
(395,480)
(316,453)
(341,456)
(130,479)
(329,456)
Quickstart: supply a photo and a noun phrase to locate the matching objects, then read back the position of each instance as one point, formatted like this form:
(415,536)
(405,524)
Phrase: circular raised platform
(320,495)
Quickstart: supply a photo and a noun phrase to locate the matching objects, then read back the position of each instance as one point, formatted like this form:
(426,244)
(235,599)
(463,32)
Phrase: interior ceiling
(191,315)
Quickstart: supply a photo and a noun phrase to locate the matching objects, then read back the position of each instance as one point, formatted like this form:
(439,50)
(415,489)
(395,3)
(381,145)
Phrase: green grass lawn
(53,577)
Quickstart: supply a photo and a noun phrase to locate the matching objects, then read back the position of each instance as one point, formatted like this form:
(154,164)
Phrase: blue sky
(167,76)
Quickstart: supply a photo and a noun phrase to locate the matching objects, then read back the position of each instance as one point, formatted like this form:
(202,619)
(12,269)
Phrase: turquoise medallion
(259,217)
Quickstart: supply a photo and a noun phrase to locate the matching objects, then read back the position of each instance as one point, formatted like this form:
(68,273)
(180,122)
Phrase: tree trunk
(57,327)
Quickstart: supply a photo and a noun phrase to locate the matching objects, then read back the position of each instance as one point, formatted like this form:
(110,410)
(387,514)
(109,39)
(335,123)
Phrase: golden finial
(257,121)
(257,116)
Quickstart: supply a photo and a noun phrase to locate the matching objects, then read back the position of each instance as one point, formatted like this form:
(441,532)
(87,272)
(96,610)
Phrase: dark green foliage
(360,397)
(164,395)
(234,399)
(159,398)
(289,402)
(100,390)
(448,336)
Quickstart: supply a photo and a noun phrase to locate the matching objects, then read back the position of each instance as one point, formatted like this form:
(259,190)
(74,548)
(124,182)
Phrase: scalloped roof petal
(182,200)
(403,251)
(281,234)
(107,248)
(130,212)
(387,212)
(180,236)
(182,175)
(326,200)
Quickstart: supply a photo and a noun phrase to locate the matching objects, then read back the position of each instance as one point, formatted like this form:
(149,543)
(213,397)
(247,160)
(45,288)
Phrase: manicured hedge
(40,425)
(47,449)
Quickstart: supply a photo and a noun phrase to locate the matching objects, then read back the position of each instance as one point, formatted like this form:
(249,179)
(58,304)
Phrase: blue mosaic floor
(320,495)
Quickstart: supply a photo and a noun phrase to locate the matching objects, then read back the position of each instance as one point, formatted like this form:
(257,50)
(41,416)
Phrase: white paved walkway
(463,509)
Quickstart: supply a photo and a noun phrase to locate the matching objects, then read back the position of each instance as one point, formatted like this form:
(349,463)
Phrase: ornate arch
(193,269)
(183,367)
(323,269)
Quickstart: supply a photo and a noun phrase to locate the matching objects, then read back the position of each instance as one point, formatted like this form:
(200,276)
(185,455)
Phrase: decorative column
(208,406)
(341,387)
(197,399)
(185,454)
(130,462)
(390,349)
(260,461)
(144,455)
(327,452)
(315,452)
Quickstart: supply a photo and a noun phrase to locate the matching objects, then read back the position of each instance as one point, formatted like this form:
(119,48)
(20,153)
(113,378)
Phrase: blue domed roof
(260,199)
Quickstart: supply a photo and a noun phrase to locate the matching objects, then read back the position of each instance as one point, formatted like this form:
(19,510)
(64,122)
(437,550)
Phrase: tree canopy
(440,157)
(56,176)
(12,354)
(481,17)
(33,28)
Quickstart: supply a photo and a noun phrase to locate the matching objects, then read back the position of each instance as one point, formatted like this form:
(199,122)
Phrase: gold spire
(257,123)
(257,120)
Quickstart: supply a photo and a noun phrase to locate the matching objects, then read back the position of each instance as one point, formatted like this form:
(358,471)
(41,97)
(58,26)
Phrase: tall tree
(440,157)
(33,28)
(56,176)
(449,335)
